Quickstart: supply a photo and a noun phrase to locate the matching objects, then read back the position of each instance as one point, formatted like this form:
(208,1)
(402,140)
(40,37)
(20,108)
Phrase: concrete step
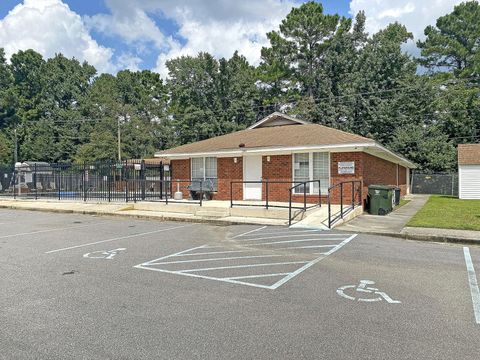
(212,213)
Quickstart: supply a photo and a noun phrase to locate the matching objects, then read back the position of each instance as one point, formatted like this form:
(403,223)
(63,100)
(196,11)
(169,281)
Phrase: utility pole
(119,140)
(15,150)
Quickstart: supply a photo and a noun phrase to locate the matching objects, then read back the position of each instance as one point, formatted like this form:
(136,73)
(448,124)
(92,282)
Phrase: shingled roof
(281,133)
(268,137)
(469,154)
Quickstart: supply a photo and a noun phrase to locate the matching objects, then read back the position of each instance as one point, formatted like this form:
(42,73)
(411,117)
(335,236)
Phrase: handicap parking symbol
(103,254)
(363,289)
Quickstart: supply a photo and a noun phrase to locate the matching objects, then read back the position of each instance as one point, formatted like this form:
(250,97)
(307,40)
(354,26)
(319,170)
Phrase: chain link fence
(439,184)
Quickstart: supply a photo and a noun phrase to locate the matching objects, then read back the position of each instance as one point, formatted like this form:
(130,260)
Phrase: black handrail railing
(343,210)
(267,192)
(266,204)
(304,183)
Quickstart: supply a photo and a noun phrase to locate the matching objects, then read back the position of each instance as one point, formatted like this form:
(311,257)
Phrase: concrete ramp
(318,218)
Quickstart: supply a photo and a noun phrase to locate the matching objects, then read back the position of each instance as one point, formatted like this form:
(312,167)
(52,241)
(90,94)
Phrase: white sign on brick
(346,167)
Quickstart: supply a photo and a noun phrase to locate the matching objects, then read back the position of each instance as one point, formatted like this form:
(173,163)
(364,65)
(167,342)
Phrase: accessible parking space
(264,257)
(137,289)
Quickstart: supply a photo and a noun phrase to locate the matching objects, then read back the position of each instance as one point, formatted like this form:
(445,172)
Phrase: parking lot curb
(400,235)
(422,237)
(135,216)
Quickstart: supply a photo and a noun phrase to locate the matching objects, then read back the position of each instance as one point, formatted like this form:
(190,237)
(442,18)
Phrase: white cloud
(217,26)
(130,23)
(128,61)
(415,15)
(49,27)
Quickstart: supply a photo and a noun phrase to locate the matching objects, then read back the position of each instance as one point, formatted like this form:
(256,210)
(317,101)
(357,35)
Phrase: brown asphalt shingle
(469,154)
(269,137)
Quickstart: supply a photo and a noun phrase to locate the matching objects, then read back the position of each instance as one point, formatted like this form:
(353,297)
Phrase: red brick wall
(335,177)
(279,168)
(402,179)
(227,171)
(383,172)
(181,171)
(370,169)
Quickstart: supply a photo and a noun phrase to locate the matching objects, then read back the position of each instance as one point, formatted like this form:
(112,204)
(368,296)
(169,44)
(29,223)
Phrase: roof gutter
(263,150)
(400,159)
(292,149)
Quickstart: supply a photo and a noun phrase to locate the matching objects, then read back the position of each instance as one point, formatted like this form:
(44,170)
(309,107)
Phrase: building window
(301,172)
(312,166)
(205,168)
(321,171)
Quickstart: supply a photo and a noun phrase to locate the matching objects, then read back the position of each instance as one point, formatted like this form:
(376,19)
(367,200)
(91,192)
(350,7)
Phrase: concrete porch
(247,212)
(211,211)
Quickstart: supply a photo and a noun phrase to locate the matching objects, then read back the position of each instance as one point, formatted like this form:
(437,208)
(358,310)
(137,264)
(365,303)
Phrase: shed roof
(469,154)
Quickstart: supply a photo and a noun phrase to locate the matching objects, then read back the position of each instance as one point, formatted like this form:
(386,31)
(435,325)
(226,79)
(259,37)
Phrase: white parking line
(235,272)
(305,247)
(242,266)
(311,263)
(292,241)
(49,230)
(295,235)
(255,276)
(118,238)
(205,277)
(249,232)
(216,259)
(281,232)
(217,252)
(472,280)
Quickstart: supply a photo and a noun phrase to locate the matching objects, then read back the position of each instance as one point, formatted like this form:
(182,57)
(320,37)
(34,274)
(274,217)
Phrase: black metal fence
(440,183)
(121,181)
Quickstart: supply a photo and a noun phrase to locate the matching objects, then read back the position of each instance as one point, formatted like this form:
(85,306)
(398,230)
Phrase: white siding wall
(469,181)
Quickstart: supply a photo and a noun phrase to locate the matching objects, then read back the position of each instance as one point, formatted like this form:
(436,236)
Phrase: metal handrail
(290,206)
(342,213)
(266,182)
(304,183)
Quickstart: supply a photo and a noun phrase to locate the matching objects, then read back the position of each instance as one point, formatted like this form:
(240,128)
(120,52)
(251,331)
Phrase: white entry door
(252,171)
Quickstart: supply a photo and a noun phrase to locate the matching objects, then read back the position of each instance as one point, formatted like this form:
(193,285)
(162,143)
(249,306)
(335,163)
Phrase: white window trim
(204,166)
(310,169)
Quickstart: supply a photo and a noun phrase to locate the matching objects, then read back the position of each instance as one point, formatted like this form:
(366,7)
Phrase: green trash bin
(380,199)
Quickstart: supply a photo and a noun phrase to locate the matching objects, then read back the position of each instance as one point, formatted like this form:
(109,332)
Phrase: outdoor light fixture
(235,160)
(268,158)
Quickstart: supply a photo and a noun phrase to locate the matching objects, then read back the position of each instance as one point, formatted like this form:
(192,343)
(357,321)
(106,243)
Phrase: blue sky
(92,7)
(143,34)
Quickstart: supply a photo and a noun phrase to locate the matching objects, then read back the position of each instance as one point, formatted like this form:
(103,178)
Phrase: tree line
(322,68)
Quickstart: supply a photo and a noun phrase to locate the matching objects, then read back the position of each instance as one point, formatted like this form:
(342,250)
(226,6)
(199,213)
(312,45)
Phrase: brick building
(286,151)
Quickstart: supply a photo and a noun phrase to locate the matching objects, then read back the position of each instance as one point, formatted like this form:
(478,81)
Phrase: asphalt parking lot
(85,287)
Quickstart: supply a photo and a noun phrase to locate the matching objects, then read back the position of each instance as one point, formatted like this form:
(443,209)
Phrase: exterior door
(252,171)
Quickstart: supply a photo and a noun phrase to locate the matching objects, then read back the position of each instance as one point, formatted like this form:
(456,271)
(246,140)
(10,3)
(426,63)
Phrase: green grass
(402,202)
(446,212)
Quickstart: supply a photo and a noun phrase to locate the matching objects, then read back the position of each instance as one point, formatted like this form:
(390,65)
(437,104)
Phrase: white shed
(469,171)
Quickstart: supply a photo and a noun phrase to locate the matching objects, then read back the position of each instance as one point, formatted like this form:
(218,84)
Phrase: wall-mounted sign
(346,167)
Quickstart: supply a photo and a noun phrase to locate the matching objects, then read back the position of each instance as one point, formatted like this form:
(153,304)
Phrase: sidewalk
(394,224)
(212,211)
(146,210)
